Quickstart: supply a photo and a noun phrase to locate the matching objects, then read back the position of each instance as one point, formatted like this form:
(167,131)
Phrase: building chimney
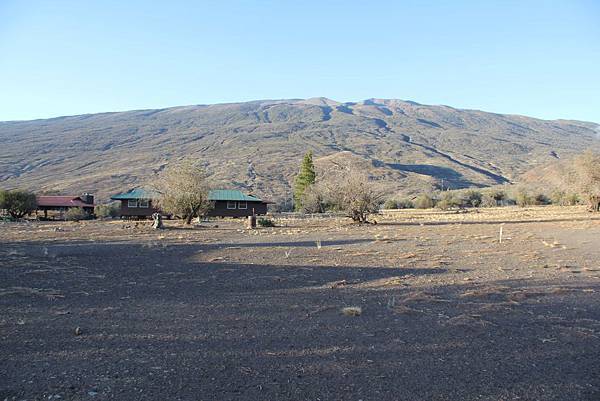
(88,198)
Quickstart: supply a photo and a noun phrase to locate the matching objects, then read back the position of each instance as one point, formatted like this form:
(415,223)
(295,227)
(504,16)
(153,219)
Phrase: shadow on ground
(157,325)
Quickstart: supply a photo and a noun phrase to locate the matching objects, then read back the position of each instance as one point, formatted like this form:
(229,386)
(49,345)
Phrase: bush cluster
(264,222)
(107,211)
(76,214)
(398,204)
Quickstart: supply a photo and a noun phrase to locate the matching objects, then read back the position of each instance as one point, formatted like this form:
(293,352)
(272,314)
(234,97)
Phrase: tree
(314,199)
(586,172)
(18,203)
(306,177)
(357,196)
(184,191)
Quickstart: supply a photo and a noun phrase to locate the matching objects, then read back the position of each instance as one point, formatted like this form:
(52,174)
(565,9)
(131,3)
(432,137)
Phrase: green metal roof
(231,195)
(136,193)
(213,195)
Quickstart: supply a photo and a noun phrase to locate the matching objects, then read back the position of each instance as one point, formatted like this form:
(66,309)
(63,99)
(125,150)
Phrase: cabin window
(230,205)
(242,205)
(143,203)
(132,203)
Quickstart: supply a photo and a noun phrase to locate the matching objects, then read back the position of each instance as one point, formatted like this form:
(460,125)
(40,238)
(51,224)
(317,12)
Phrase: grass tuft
(352,311)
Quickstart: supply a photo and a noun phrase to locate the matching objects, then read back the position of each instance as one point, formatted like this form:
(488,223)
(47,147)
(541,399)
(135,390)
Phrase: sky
(537,58)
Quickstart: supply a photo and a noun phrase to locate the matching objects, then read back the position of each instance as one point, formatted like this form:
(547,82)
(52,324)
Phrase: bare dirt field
(440,309)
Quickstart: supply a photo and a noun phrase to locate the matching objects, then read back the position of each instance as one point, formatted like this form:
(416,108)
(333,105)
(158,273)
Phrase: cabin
(234,203)
(63,203)
(137,203)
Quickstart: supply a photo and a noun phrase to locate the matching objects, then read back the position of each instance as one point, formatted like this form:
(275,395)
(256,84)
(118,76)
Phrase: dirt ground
(111,310)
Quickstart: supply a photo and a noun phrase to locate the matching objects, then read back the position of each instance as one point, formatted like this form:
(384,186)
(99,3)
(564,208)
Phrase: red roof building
(63,203)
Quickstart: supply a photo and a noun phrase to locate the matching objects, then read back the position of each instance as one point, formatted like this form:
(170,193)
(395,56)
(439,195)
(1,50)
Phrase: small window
(143,203)
(131,203)
(242,205)
(230,205)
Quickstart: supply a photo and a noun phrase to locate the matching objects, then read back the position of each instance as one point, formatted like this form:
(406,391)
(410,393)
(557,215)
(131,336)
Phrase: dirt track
(448,312)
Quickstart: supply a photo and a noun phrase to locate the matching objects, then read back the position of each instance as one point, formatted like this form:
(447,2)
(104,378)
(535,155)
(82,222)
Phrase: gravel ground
(116,311)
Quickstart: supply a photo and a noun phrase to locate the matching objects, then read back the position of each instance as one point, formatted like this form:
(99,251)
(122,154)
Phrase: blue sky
(538,58)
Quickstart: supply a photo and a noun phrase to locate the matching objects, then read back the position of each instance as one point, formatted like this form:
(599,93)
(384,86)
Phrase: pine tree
(305,178)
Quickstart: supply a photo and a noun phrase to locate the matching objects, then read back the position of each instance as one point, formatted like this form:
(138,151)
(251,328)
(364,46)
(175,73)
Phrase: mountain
(257,146)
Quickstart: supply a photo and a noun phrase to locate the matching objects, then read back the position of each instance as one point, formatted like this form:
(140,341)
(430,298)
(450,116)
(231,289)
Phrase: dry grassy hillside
(257,145)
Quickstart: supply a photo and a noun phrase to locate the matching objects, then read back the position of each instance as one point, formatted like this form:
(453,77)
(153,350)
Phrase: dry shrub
(424,201)
(76,214)
(184,191)
(352,311)
(586,178)
(108,210)
(468,320)
(314,198)
(356,195)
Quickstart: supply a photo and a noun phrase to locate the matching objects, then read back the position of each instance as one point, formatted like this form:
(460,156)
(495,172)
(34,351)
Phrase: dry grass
(352,311)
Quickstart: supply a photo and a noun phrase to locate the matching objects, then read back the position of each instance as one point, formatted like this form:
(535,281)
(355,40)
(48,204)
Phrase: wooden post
(157,224)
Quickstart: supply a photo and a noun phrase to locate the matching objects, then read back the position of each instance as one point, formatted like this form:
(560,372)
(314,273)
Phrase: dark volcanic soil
(448,312)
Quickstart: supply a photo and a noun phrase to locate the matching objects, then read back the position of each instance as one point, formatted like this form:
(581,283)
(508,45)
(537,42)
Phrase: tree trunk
(157,224)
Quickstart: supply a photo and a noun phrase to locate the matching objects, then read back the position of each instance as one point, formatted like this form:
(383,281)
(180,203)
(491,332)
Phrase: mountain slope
(258,145)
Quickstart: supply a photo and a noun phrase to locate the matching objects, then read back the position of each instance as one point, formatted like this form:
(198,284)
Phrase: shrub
(487,200)
(184,191)
(557,197)
(405,204)
(18,203)
(586,178)
(281,206)
(104,211)
(472,198)
(540,199)
(313,199)
(498,195)
(356,196)
(424,201)
(449,200)
(390,204)
(76,214)
(571,200)
(523,199)
(563,198)
(264,222)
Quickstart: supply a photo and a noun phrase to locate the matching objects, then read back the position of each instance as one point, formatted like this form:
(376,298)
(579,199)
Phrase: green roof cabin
(138,203)
(234,203)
